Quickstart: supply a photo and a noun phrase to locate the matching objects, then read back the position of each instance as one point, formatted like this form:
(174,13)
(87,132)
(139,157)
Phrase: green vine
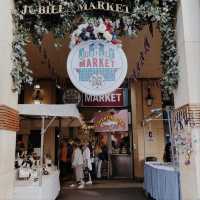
(33,27)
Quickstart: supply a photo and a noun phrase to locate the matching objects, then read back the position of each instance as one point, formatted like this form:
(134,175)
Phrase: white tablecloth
(161,182)
(48,191)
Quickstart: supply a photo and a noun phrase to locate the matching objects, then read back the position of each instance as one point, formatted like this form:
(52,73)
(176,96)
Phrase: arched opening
(151,76)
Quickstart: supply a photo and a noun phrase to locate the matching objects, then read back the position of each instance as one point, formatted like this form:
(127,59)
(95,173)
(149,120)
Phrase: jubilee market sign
(118,98)
(52,8)
(97,67)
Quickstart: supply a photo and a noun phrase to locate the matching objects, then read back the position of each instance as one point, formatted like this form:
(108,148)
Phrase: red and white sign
(97,67)
(118,98)
(111,122)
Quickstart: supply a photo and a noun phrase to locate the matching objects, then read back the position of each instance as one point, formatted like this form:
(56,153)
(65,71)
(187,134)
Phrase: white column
(188,92)
(8,98)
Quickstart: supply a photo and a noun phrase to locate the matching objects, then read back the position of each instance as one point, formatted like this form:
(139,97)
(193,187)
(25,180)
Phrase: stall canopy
(66,111)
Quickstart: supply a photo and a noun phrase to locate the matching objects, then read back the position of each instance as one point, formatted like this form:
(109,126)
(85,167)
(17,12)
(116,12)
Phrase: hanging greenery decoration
(32,27)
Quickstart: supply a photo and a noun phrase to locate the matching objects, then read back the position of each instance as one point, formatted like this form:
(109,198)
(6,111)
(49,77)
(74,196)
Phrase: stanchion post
(143,124)
(168,110)
(41,151)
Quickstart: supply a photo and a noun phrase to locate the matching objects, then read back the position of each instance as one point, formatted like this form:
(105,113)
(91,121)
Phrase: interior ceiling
(41,58)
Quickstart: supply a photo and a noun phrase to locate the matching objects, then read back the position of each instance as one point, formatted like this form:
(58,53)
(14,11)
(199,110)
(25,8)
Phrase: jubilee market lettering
(113,98)
(96,56)
(59,9)
(97,59)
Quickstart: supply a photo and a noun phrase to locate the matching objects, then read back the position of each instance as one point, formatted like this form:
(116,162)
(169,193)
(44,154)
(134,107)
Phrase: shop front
(113,125)
(110,116)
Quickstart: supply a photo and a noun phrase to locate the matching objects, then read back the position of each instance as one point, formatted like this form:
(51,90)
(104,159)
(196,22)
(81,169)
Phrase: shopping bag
(24,173)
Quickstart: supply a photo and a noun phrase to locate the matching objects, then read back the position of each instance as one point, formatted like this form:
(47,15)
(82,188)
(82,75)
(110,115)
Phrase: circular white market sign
(97,67)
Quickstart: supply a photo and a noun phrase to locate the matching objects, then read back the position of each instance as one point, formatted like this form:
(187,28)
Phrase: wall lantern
(149,98)
(36,86)
(37,94)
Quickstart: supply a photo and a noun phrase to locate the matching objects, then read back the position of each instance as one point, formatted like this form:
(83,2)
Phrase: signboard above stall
(118,98)
(71,96)
(111,121)
(97,67)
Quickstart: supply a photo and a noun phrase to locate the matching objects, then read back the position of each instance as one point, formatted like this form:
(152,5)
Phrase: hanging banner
(97,67)
(111,122)
(118,98)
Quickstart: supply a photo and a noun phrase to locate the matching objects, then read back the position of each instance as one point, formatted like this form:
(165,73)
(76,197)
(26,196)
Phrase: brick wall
(9,118)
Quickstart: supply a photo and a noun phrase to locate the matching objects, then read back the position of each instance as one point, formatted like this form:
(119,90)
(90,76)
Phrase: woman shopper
(63,161)
(87,162)
(77,164)
(98,162)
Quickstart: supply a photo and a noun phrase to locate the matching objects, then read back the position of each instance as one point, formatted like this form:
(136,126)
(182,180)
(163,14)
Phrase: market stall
(36,176)
(161,181)
(49,189)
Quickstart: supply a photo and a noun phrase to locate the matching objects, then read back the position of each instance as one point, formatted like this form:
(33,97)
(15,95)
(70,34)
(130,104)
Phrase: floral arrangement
(95,29)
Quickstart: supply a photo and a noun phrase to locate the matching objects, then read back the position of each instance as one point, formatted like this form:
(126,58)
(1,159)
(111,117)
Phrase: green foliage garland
(33,27)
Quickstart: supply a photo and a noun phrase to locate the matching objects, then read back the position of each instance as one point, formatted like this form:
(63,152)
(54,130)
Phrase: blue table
(161,182)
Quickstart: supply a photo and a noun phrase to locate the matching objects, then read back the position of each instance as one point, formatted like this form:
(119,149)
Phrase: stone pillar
(144,146)
(9,120)
(187,96)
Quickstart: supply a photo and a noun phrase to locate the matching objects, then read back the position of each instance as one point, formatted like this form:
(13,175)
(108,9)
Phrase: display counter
(29,190)
(161,181)
(121,165)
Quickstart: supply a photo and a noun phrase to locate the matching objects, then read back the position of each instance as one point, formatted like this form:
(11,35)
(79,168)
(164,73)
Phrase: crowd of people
(84,161)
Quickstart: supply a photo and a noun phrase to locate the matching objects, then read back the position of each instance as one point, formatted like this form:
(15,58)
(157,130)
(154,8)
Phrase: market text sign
(118,98)
(53,8)
(115,122)
(97,67)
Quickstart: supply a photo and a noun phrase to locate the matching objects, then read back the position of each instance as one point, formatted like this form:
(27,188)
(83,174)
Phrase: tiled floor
(108,184)
(104,190)
(103,194)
